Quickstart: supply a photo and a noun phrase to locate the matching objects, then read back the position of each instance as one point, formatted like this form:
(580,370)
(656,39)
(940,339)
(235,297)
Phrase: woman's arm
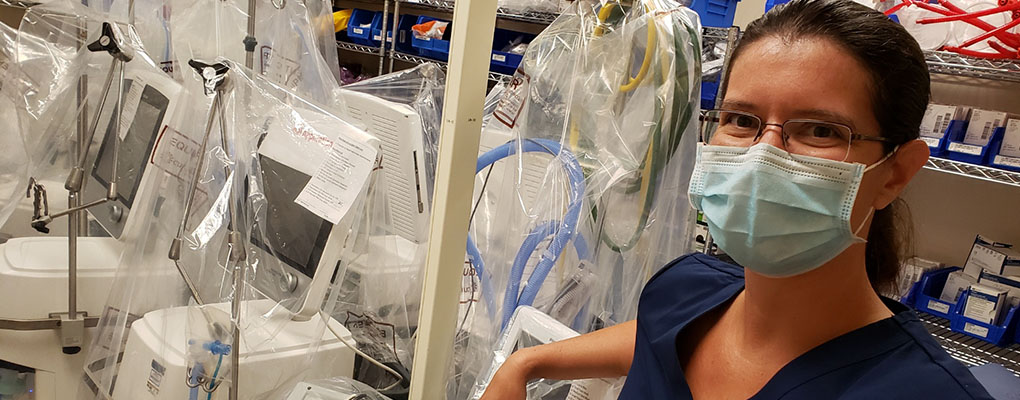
(605,353)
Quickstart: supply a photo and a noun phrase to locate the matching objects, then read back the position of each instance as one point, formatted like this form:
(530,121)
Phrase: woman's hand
(510,381)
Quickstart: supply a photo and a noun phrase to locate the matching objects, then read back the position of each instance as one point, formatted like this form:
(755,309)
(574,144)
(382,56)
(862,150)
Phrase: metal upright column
(470,50)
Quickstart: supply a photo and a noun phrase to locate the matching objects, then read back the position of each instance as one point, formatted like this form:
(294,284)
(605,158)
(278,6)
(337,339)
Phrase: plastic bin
(377,29)
(969,153)
(359,28)
(772,3)
(436,49)
(505,62)
(717,13)
(709,90)
(403,42)
(925,293)
(1000,335)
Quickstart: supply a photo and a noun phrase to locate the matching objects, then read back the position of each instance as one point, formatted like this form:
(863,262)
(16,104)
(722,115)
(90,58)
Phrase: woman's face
(815,78)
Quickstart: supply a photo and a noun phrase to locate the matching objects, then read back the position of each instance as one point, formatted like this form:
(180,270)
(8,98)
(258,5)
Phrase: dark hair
(900,92)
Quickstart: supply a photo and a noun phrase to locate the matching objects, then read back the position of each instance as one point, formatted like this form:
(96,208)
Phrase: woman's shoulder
(686,288)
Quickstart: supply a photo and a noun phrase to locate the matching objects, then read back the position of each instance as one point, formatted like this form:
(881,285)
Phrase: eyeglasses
(806,137)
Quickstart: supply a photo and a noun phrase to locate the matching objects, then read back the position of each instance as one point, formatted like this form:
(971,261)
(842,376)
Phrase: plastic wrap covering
(252,199)
(289,37)
(53,89)
(380,291)
(581,191)
(334,389)
(530,327)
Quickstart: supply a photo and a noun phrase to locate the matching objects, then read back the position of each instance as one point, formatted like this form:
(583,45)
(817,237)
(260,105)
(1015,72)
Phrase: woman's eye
(822,132)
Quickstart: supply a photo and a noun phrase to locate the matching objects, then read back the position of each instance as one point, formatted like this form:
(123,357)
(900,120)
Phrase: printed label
(155,377)
(931,141)
(281,70)
(177,155)
(983,258)
(513,100)
(498,57)
(378,339)
(334,187)
(938,306)
(131,100)
(377,37)
(358,31)
(965,148)
(167,67)
(1010,161)
(975,329)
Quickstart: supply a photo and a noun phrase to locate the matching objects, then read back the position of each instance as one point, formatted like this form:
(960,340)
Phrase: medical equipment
(527,328)
(30,266)
(334,389)
(975,35)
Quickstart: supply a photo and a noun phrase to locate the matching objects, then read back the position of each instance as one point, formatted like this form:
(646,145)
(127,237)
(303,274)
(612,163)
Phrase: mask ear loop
(887,156)
(871,211)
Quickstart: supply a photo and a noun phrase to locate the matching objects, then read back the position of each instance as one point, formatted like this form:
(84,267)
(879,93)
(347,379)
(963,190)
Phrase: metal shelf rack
(974,171)
(493,76)
(17,4)
(543,18)
(358,48)
(943,62)
(968,350)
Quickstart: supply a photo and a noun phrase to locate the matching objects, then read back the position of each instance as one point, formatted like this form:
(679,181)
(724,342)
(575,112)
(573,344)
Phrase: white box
(1011,140)
(1010,285)
(984,304)
(937,117)
(956,283)
(982,125)
(991,256)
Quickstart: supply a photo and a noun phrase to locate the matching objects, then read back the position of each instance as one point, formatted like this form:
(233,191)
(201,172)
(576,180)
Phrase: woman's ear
(909,158)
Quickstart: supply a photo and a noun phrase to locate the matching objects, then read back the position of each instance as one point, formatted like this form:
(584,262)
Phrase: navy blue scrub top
(895,358)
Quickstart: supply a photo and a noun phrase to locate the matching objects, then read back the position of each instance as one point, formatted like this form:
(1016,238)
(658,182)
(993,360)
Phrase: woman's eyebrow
(738,105)
(827,115)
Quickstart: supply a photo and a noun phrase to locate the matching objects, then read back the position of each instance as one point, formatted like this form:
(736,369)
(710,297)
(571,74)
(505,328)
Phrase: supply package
(580,192)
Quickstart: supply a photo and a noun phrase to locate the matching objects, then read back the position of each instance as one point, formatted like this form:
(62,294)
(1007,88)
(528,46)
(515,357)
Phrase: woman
(798,177)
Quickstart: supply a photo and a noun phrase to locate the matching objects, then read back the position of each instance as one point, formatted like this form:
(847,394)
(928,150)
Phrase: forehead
(777,77)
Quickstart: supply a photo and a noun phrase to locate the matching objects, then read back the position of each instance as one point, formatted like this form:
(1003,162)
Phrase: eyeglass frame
(782,131)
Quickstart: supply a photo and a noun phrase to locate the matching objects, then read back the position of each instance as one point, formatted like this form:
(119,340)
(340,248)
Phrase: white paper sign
(1011,139)
(975,329)
(131,100)
(336,185)
(932,142)
(938,306)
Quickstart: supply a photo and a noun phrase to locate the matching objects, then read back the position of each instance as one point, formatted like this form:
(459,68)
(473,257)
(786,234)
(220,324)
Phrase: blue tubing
(563,232)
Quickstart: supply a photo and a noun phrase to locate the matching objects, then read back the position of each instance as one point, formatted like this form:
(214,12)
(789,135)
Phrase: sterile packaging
(995,257)
(910,272)
(982,124)
(985,304)
(956,283)
(937,117)
(1010,285)
(1011,139)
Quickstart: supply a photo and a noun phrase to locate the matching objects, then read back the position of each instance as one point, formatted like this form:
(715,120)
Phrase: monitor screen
(134,148)
(295,235)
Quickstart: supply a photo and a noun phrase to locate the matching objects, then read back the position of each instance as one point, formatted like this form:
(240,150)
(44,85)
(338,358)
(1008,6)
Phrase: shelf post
(471,47)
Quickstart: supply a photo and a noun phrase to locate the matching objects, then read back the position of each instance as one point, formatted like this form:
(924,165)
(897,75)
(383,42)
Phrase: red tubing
(980,54)
(991,33)
(1010,39)
(973,15)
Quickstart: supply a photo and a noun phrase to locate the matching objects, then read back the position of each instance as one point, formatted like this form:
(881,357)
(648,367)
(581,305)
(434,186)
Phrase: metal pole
(396,24)
(382,40)
(467,79)
(732,35)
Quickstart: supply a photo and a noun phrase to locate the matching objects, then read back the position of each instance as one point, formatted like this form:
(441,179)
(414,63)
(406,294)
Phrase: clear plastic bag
(581,192)
(248,216)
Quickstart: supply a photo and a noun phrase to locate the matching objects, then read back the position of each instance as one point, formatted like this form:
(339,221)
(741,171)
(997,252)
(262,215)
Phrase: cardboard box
(985,304)
(982,125)
(991,256)
(1011,140)
(956,283)
(937,117)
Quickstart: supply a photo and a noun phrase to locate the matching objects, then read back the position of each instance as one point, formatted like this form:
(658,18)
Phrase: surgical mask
(775,213)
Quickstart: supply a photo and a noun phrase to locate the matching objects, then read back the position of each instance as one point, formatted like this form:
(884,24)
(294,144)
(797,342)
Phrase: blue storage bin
(404,35)
(926,291)
(505,62)
(717,13)
(437,49)
(772,3)
(937,146)
(377,29)
(1000,335)
(1002,161)
(969,153)
(709,90)
(359,29)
